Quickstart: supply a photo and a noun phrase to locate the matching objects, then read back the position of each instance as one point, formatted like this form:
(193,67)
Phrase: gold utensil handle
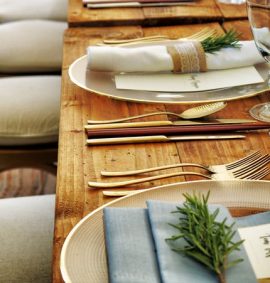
(191,113)
(129,125)
(147,170)
(126,140)
(129,118)
(120,193)
(142,180)
(146,38)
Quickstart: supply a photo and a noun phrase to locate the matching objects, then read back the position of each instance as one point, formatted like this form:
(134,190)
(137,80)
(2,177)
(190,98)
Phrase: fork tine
(202,36)
(257,164)
(200,33)
(259,174)
(263,173)
(247,174)
(241,161)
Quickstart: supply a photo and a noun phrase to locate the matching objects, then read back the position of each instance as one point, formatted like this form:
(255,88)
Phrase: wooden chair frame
(42,157)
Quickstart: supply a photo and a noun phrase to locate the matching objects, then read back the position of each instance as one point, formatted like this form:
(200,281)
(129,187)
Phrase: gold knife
(160,138)
(168,123)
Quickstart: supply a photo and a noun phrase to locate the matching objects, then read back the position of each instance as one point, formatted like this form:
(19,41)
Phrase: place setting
(112,244)
(151,70)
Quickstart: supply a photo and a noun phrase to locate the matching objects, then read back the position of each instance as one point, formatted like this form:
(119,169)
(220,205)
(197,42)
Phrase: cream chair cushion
(26,238)
(29,109)
(30,46)
(13,10)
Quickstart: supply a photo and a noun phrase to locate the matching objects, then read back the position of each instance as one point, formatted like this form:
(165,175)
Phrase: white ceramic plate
(83,257)
(103,83)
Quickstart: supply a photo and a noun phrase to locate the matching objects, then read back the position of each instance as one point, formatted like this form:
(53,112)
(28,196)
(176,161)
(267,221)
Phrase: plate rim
(63,269)
(72,78)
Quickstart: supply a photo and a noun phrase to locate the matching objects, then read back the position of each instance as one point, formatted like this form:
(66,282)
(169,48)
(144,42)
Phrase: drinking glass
(259,20)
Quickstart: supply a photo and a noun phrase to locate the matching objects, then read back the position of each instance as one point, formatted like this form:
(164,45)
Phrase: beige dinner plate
(103,83)
(83,257)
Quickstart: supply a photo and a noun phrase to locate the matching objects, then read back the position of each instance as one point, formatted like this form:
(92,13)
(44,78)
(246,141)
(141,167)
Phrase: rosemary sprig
(214,43)
(208,241)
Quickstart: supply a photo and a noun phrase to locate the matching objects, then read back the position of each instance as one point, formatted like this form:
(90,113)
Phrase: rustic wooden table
(201,11)
(77,163)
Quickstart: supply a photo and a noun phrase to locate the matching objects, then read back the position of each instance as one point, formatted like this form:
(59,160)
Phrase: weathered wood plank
(232,11)
(202,10)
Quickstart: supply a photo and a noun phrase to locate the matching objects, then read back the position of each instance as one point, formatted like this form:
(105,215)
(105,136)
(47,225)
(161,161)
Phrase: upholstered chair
(14,10)
(30,82)
(26,238)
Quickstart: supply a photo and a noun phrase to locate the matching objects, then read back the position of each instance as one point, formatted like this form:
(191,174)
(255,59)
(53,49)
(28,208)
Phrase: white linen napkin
(155,58)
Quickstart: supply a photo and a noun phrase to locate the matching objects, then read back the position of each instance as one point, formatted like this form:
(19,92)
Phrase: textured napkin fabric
(130,248)
(135,256)
(178,268)
(253,220)
(155,58)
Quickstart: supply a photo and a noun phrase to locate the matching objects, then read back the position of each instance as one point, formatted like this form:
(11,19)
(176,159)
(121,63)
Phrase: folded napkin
(131,248)
(178,268)
(155,58)
(253,220)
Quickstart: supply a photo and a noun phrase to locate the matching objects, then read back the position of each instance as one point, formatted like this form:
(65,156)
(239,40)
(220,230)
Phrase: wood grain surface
(232,11)
(201,11)
(78,164)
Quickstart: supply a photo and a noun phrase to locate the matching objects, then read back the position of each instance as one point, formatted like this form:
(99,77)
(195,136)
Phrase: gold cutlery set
(250,167)
(119,131)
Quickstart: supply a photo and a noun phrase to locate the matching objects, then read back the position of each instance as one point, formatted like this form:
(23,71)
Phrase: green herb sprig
(214,43)
(208,241)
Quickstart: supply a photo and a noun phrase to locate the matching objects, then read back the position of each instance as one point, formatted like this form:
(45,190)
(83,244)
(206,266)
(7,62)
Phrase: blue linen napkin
(131,252)
(178,268)
(253,220)
(130,248)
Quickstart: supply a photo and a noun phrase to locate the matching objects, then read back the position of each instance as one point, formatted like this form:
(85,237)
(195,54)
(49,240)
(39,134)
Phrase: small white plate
(83,256)
(103,83)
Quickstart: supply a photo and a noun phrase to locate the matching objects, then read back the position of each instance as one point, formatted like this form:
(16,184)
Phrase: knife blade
(160,138)
(168,123)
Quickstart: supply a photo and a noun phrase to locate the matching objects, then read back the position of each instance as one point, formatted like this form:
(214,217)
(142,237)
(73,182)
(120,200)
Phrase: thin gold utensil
(252,175)
(191,113)
(120,193)
(167,123)
(201,35)
(240,166)
(159,138)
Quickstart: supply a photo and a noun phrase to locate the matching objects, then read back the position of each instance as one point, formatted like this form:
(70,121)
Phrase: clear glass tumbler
(259,20)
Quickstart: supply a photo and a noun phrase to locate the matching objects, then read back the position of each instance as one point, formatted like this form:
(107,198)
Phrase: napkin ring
(188,57)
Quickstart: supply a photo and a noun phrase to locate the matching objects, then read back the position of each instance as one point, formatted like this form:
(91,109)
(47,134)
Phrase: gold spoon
(192,113)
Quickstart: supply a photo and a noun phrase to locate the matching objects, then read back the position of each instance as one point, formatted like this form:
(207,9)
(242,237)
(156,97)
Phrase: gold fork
(199,36)
(250,175)
(119,193)
(237,167)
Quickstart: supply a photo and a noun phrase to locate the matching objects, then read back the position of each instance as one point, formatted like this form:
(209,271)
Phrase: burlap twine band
(188,57)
